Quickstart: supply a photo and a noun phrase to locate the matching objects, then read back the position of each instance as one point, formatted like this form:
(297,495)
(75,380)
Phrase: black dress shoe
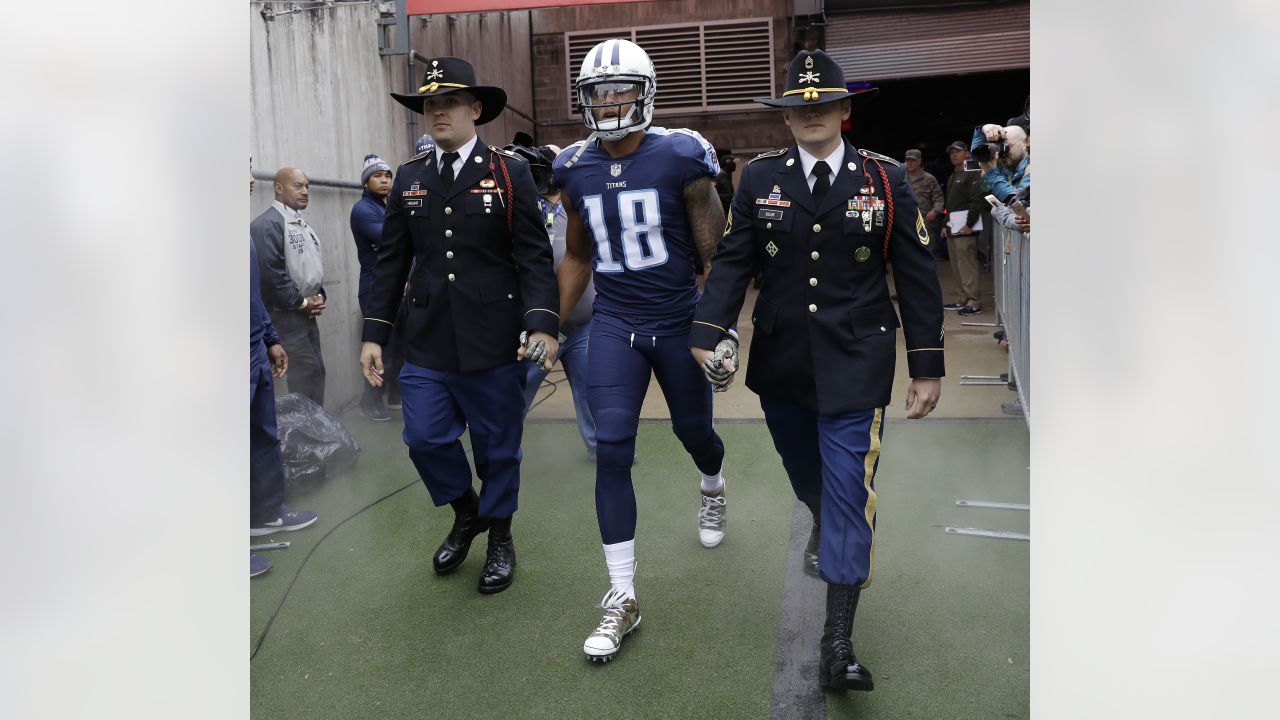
(456,545)
(499,565)
(854,677)
(810,560)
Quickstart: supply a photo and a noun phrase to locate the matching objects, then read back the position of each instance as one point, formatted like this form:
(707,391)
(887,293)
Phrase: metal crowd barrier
(1012,273)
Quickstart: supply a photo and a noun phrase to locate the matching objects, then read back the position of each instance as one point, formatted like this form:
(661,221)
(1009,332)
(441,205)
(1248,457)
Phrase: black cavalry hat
(814,78)
(450,74)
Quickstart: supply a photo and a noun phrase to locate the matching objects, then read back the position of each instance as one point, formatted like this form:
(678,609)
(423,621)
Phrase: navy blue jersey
(633,208)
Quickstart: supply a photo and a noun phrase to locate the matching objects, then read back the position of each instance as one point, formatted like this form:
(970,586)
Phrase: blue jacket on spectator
(1004,183)
(262,334)
(366,226)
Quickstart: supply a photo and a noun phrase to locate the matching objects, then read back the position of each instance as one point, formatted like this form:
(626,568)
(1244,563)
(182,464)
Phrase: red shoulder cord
(888,196)
(506,178)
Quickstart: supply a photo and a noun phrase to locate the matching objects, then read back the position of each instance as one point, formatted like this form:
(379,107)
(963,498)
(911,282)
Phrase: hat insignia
(435,74)
(435,63)
(808,63)
(809,77)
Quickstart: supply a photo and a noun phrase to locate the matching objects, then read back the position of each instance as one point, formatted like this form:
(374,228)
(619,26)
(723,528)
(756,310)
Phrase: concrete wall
(741,131)
(319,102)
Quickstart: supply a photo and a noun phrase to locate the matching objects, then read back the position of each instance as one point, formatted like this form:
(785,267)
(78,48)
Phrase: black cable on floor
(553,383)
(298,572)
(257,646)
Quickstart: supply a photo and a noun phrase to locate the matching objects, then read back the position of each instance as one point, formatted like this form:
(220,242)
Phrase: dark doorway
(931,113)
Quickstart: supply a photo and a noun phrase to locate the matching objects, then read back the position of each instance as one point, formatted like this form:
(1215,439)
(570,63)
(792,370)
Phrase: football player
(642,210)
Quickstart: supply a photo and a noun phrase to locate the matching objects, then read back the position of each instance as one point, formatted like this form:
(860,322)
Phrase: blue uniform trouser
(573,356)
(439,405)
(266,463)
(621,363)
(831,461)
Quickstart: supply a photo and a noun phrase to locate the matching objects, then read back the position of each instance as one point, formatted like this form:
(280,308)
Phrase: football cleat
(621,616)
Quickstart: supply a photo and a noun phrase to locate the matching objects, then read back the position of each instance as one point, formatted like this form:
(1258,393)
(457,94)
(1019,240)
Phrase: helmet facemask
(630,95)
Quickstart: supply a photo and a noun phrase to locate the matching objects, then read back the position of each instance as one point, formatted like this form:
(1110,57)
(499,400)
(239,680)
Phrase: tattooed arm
(706,217)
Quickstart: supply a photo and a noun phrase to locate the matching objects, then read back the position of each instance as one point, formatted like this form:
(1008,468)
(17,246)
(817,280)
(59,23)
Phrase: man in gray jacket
(292,275)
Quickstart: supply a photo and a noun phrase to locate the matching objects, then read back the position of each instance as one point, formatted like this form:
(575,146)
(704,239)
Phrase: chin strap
(581,149)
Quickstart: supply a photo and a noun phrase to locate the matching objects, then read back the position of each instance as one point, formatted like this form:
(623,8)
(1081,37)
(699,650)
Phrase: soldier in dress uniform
(464,217)
(820,221)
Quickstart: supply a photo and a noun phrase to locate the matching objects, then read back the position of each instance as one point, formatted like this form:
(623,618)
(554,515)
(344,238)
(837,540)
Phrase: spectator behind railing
(1005,215)
(1005,156)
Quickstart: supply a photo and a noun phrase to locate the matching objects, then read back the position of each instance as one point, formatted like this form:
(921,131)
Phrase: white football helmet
(617,74)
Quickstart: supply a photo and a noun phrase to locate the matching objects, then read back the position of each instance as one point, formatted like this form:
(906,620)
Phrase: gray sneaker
(712,518)
(621,616)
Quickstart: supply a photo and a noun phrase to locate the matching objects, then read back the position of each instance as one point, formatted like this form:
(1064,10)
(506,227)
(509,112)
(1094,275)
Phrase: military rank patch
(921,232)
(771,249)
(862,254)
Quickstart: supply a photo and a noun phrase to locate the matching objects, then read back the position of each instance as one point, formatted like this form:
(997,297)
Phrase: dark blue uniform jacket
(475,282)
(824,328)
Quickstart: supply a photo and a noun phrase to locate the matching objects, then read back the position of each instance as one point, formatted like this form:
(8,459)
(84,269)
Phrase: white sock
(712,483)
(620,559)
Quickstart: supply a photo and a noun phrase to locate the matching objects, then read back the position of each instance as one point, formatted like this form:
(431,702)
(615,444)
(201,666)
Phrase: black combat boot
(838,667)
(500,562)
(810,559)
(467,524)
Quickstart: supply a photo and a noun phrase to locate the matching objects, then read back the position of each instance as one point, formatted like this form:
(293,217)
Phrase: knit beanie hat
(372,164)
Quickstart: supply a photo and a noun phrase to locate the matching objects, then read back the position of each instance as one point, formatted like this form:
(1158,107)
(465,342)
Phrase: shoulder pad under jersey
(769,153)
(878,156)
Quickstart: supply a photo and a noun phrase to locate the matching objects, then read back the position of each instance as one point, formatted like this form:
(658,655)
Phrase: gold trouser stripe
(381,321)
(868,474)
(699,322)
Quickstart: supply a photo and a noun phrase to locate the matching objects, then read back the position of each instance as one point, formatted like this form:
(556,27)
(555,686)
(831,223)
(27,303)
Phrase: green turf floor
(368,630)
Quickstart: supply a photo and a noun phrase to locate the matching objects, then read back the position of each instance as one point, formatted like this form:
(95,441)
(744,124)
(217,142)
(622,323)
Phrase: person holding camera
(1005,157)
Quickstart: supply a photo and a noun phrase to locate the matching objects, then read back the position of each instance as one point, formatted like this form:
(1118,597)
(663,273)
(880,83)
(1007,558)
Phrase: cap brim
(798,98)
(493,99)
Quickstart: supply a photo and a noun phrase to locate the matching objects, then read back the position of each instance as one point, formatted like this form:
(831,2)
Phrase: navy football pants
(439,405)
(831,462)
(619,366)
